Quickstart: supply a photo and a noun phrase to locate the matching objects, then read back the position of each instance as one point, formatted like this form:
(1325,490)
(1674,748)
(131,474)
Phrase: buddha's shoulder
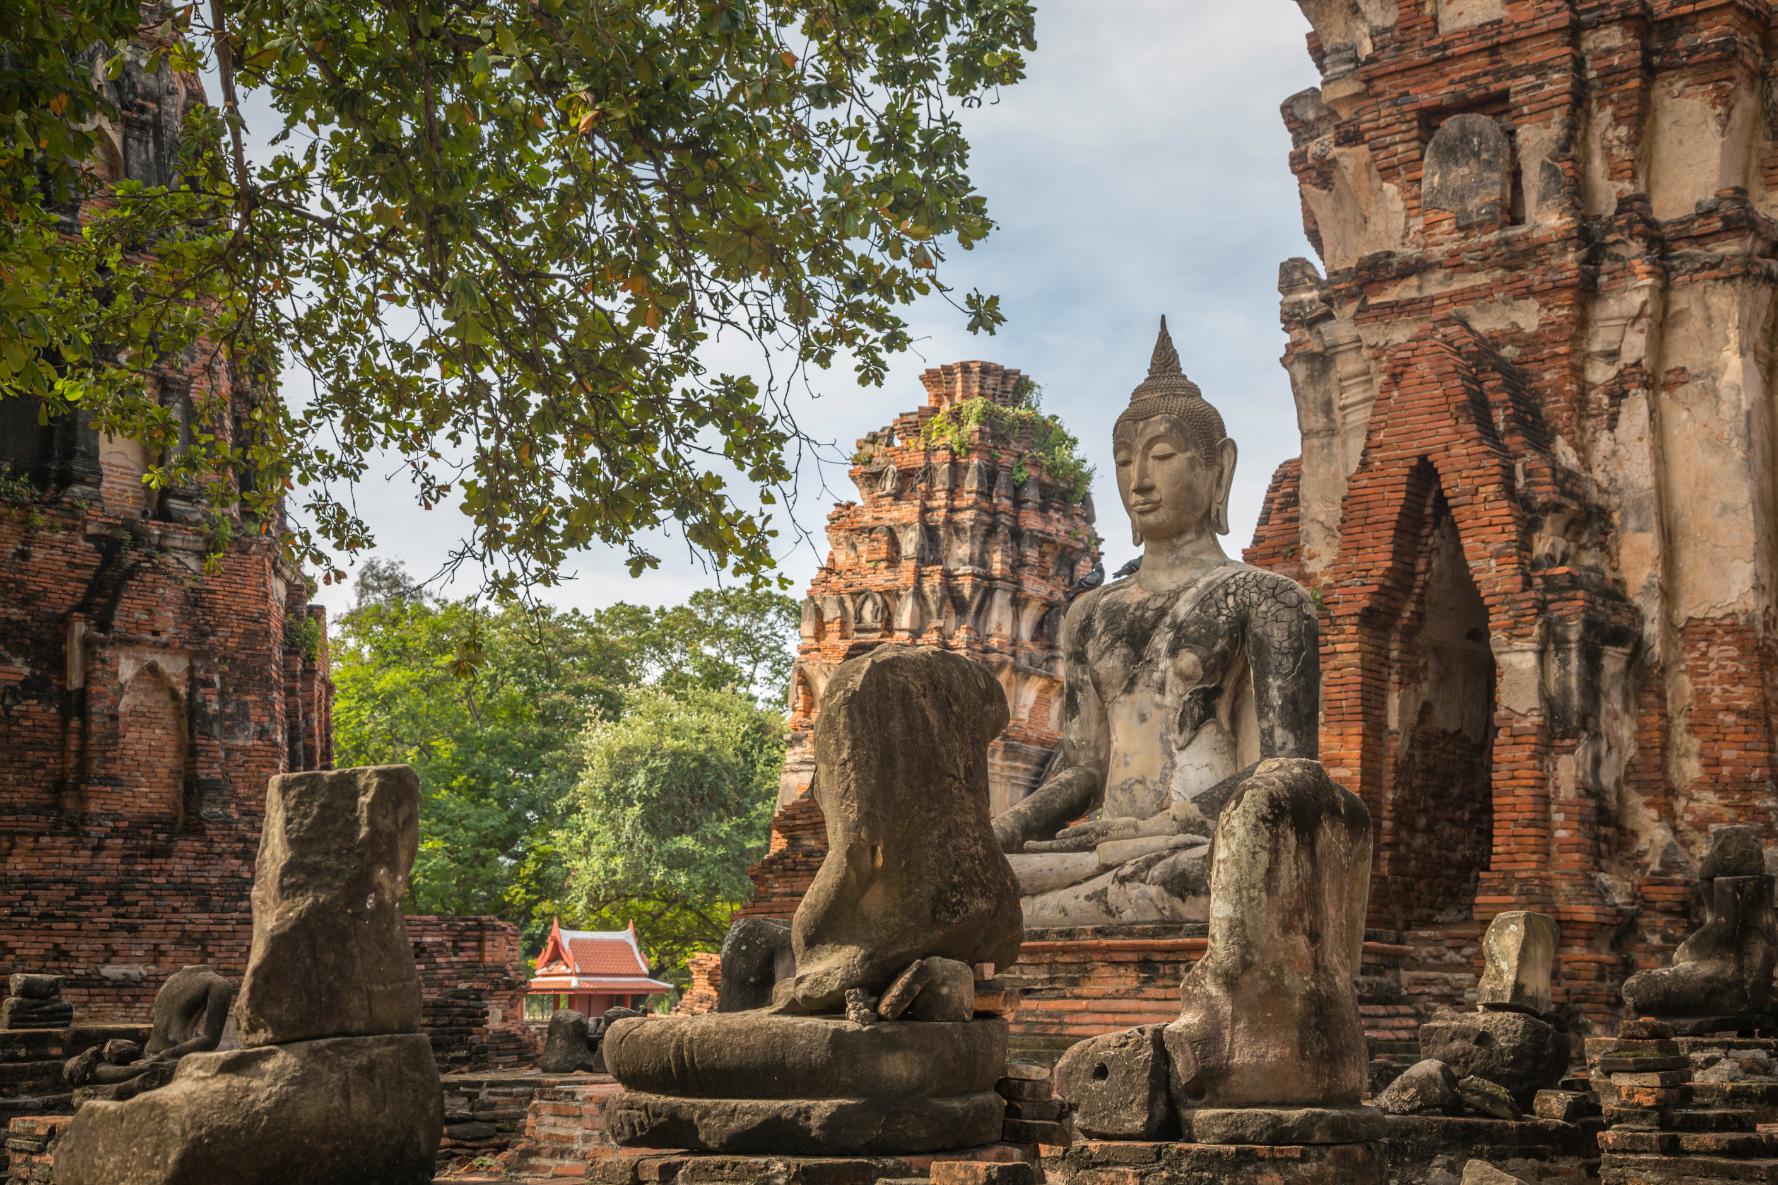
(1260,590)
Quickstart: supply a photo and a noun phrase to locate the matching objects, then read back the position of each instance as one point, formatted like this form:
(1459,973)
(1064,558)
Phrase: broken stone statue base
(805,1127)
(1167,1163)
(337,1111)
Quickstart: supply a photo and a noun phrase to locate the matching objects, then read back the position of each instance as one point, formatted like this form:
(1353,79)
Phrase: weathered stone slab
(815,1126)
(330,954)
(1518,952)
(34,986)
(762,1055)
(347,1111)
(1520,1052)
(699,1168)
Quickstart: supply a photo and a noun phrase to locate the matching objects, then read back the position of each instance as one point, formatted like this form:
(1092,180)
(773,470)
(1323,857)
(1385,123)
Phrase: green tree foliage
(674,802)
(488,705)
(497,238)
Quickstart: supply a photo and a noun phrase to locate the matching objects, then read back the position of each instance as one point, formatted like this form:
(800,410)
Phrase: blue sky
(1141,169)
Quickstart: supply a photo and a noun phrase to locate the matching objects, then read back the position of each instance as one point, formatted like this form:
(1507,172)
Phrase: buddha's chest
(1166,649)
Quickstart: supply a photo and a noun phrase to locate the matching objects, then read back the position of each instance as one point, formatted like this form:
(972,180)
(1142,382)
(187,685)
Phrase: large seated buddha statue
(1178,682)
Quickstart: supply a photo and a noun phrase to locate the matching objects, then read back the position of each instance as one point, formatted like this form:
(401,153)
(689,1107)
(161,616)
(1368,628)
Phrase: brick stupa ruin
(973,550)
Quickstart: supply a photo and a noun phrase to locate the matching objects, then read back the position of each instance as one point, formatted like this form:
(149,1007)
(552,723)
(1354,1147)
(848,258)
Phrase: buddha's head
(1175,461)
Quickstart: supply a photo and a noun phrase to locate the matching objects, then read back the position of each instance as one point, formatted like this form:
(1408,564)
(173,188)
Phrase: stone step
(1686,1170)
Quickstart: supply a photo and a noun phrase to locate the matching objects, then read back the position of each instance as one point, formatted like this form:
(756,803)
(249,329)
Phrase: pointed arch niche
(1437,819)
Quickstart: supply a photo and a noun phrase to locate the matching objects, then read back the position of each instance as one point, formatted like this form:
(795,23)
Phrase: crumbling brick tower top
(1538,493)
(972,548)
(145,698)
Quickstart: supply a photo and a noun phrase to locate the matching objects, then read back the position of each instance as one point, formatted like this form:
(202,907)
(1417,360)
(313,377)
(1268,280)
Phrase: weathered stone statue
(190,1016)
(874,1045)
(334,1082)
(1721,977)
(1177,682)
(1192,693)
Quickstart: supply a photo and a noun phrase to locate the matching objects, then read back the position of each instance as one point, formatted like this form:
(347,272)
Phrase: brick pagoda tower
(974,549)
(1538,493)
(144,699)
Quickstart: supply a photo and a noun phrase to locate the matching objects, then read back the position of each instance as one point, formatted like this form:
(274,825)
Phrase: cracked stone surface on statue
(913,893)
(1178,680)
(1721,977)
(338,1088)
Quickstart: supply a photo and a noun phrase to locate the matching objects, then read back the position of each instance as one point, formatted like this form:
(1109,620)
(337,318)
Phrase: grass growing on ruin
(1048,446)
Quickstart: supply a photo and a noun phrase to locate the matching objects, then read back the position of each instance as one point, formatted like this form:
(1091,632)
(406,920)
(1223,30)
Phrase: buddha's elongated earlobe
(1225,482)
(1135,535)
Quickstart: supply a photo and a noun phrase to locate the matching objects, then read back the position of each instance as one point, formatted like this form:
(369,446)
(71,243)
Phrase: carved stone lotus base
(1093,1161)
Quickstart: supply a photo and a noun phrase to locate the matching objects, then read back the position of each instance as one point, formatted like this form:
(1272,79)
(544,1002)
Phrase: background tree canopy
(673,803)
(496,237)
(489,705)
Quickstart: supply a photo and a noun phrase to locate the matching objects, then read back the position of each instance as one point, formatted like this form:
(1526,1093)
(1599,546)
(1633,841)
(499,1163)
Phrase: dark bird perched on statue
(1129,569)
(1089,582)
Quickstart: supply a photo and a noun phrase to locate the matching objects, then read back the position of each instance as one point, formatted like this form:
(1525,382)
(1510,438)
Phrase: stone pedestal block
(761,1055)
(806,1126)
(330,955)
(346,1111)
(1091,1162)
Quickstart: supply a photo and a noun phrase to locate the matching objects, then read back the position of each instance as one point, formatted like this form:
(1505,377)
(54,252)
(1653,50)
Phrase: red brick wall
(472,983)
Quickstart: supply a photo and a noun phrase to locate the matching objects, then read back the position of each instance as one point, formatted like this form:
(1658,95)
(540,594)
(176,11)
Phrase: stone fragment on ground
(1480,1172)
(1521,1052)
(1426,1088)
(567,1047)
(1518,951)
(1489,1099)
(900,993)
(1116,1085)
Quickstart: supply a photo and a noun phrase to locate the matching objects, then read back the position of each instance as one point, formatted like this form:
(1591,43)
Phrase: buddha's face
(1168,489)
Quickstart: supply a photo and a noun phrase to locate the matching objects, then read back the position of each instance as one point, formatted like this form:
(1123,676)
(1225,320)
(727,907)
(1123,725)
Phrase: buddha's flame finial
(1166,357)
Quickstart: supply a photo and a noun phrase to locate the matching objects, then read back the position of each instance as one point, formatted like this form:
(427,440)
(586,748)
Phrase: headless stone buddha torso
(1177,682)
